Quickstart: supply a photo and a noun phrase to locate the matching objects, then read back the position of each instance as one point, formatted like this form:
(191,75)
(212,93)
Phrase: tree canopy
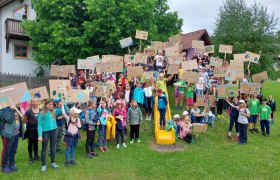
(73,29)
(248,28)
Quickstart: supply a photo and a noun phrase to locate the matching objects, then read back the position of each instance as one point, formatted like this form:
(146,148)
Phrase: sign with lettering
(220,71)
(87,63)
(216,61)
(172,69)
(191,77)
(189,65)
(126,42)
(225,49)
(209,49)
(78,95)
(250,88)
(14,94)
(103,89)
(176,39)
(134,71)
(62,71)
(141,35)
(237,70)
(198,44)
(260,77)
(252,57)
(227,90)
(157,45)
(151,74)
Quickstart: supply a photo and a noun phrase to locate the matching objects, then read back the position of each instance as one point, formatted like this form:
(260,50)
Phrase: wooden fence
(32,82)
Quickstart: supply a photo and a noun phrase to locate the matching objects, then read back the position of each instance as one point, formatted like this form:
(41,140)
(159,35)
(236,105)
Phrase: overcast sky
(201,14)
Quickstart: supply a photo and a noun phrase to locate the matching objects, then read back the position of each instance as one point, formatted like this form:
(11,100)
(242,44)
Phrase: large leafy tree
(73,29)
(248,29)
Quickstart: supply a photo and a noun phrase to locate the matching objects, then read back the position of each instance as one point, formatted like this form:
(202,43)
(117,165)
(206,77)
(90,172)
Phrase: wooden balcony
(14,30)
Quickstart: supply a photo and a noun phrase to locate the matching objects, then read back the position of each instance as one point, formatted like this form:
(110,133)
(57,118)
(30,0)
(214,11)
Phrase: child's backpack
(161,103)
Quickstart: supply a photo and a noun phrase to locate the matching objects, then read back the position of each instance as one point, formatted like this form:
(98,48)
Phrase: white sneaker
(44,168)
(150,118)
(124,145)
(147,117)
(55,166)
(131,142)
(138,140)
(118,146)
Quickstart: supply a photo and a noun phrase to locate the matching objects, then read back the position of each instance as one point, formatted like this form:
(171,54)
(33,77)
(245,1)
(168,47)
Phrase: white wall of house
(7,61)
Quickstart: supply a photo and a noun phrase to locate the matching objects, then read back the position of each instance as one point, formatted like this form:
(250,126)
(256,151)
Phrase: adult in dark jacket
(11,132)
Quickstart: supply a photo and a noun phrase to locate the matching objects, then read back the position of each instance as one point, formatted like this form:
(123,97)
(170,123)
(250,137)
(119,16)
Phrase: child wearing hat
(264,112)
(244,114)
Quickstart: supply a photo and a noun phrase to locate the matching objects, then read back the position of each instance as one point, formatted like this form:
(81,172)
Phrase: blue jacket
(7,119)
(138,95)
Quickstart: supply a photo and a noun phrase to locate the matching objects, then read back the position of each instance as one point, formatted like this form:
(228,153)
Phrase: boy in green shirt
(190,95)
(264,114)
(253,106)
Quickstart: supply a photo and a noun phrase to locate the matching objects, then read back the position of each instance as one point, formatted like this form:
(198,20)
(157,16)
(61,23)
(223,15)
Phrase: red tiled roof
(5,2)
(196,35)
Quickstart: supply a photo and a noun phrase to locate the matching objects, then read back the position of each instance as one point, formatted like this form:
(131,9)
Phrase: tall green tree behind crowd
(248,29)
(73,29)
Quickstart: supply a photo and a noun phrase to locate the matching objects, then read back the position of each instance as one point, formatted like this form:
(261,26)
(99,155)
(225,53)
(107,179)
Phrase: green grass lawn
(212,156)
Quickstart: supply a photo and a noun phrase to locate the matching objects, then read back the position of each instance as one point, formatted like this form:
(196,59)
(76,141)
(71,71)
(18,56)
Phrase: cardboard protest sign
(41,93)
(112,58)
(141,35)
(252,57)
(102,67)
(173,69)
(227,90)
(209,49)
(78,95)
(191,77)
(176,39)
(157,45)
(14,94)
(134,71)
(94,57)
(220,71)
(250,88)
(150,52)
(126,42)
(237,70)
(139,58)
(216,61)
(260,77)
(225,49)
(62,71)
(197,44)
(239,57)
(59,88)
(87,63)
(199,127)
(210,100)
(189,65)
(103,89)
(200,100)
(173,52)
(115,67)
(151,74)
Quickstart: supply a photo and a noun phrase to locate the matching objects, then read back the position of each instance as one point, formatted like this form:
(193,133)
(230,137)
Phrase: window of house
(21,13)
(20,51)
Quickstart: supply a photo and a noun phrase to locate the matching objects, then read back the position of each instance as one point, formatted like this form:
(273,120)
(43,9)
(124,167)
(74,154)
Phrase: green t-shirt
(189,91)
(161,85)
(265,112)
(181,83)
(253,106)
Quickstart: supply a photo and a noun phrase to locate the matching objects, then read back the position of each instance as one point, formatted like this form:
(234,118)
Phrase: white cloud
(202,14)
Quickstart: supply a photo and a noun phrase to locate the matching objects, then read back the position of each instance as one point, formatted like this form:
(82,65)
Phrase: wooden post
(128,50)
(140,46)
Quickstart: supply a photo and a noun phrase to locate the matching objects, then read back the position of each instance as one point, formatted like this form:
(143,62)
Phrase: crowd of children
(111,115)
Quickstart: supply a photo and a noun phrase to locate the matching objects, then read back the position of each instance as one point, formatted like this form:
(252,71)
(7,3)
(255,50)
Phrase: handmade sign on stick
(189,65)
(141,35)
(151,74)
(260,77)
(173,69)
(78,95)
(252,57)
(126,42)
(225,49)
(250,88)
(237,70)
(14,94)
(41,93)
(59,88)
(220,71)
(62,71)
(134,71)
(209,49)
(191,77)
(198,44)
(227,90)
(216,61)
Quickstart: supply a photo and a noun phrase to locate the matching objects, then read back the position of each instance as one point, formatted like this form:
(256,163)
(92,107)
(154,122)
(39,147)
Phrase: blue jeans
(102,136)
(209,119)
(253,119)
(162,113)
(177,128)
(200,92)
(9,150)
(195,119)
(243,132)
(265,126)
(159,68)
(70,149)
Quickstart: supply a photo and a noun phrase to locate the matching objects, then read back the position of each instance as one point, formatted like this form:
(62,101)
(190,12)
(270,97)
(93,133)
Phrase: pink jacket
(185,129)
(121,112)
